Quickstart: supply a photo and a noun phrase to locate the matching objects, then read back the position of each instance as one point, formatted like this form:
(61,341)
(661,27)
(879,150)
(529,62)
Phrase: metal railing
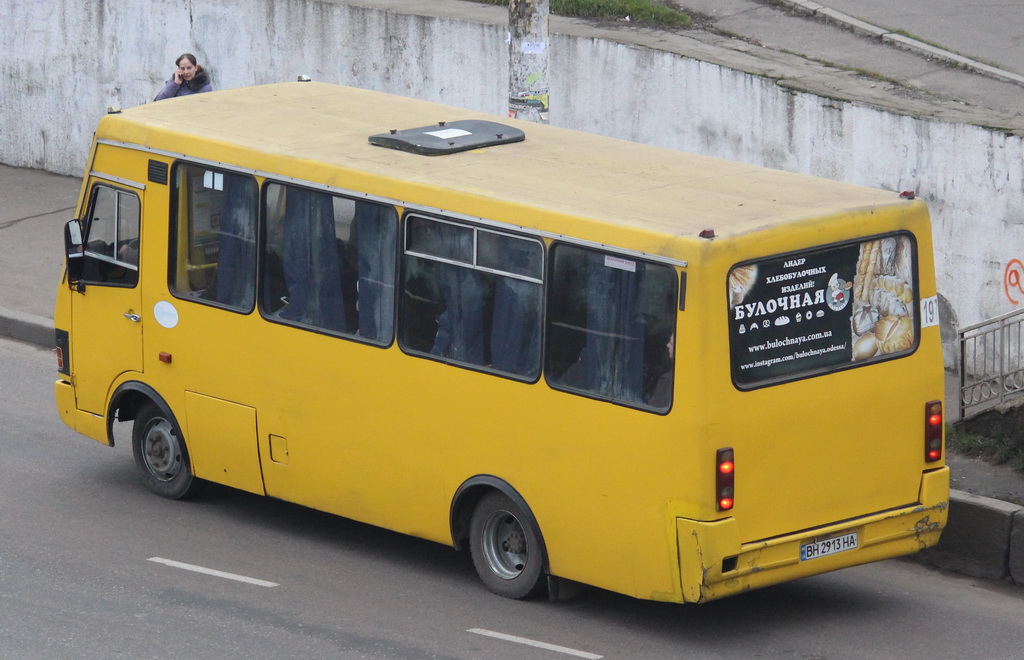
(991,362)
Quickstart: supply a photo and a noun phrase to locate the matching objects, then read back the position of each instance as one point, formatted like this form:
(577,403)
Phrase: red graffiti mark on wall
(1013,281)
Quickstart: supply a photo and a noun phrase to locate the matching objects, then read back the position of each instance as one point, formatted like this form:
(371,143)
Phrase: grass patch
(998,449)
(641,12)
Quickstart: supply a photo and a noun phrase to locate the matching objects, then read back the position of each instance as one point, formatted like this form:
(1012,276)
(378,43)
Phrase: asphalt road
(93,566)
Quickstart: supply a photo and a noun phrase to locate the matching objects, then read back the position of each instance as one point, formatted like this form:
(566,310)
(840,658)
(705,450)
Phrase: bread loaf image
(894,333)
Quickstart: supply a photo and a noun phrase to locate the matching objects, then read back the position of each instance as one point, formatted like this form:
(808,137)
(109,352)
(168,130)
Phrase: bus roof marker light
(707,233)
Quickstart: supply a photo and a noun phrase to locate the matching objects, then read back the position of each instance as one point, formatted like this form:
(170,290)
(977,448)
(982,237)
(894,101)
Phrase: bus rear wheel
(161,455)
(506,547)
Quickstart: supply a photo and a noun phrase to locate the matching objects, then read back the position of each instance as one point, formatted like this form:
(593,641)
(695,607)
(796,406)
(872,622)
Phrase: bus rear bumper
(714,563)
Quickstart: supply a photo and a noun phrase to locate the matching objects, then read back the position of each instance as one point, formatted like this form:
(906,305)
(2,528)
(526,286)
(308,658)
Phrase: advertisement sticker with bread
(822,309)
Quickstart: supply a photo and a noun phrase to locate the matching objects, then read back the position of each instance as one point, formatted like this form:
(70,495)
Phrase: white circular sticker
(165,313)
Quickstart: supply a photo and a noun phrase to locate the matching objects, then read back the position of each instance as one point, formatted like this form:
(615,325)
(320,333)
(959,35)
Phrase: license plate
(827,547)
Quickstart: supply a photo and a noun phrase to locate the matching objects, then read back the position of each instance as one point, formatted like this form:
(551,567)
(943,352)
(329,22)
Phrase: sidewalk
(35,207)
(866,58)
(981,30)
(866,42)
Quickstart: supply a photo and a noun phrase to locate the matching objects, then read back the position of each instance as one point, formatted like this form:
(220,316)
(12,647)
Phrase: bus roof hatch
(449,137)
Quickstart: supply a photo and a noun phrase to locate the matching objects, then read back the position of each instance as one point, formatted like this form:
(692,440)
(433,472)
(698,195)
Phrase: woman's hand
(177,76)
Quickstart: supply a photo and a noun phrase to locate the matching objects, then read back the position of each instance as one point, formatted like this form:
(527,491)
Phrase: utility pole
(528,60)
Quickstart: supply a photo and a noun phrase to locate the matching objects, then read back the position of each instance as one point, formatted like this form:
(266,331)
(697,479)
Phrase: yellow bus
(582,359)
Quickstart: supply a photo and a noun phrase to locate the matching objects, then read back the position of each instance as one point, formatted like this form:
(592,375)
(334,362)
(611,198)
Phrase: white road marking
(215,573)
(535,643)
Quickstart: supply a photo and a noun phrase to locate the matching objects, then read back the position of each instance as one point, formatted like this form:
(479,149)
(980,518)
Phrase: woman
(189,78)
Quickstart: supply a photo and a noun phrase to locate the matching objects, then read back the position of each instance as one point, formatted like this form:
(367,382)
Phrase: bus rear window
(820,310)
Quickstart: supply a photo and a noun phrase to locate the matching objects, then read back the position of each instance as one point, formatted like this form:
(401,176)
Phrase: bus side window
(329,262)
(611,327)
(214,237)
(516,315)
(112,238)
(374,233)
(472,296)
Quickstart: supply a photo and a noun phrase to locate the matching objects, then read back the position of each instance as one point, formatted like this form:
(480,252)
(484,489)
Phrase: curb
(902,41)
(26,327)
(983,538)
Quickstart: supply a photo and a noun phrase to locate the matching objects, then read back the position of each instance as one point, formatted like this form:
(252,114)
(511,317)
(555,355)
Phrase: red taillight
(60,358)
(725,478)
(933,431)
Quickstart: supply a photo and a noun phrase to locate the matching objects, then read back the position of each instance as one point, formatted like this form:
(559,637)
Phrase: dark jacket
(200,83)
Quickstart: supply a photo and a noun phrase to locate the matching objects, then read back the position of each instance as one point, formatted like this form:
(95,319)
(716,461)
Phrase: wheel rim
(161,450)
(505,545)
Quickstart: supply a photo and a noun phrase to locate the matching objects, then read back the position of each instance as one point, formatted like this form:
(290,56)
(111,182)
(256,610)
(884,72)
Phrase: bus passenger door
(207,335)
(106,309)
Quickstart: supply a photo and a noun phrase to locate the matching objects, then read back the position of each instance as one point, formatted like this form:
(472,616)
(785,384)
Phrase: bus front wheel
(505,547)
(160,454)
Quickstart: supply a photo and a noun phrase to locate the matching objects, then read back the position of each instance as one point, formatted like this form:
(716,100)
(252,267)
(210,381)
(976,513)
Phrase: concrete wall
(68,60)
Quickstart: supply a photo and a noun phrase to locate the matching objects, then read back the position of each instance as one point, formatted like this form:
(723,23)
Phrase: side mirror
(73,250)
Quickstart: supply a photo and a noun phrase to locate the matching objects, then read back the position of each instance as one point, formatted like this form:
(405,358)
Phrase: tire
(506,547)
(161,454)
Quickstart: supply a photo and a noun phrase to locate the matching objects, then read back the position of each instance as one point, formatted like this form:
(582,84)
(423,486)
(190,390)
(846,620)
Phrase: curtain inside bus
(610,327)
